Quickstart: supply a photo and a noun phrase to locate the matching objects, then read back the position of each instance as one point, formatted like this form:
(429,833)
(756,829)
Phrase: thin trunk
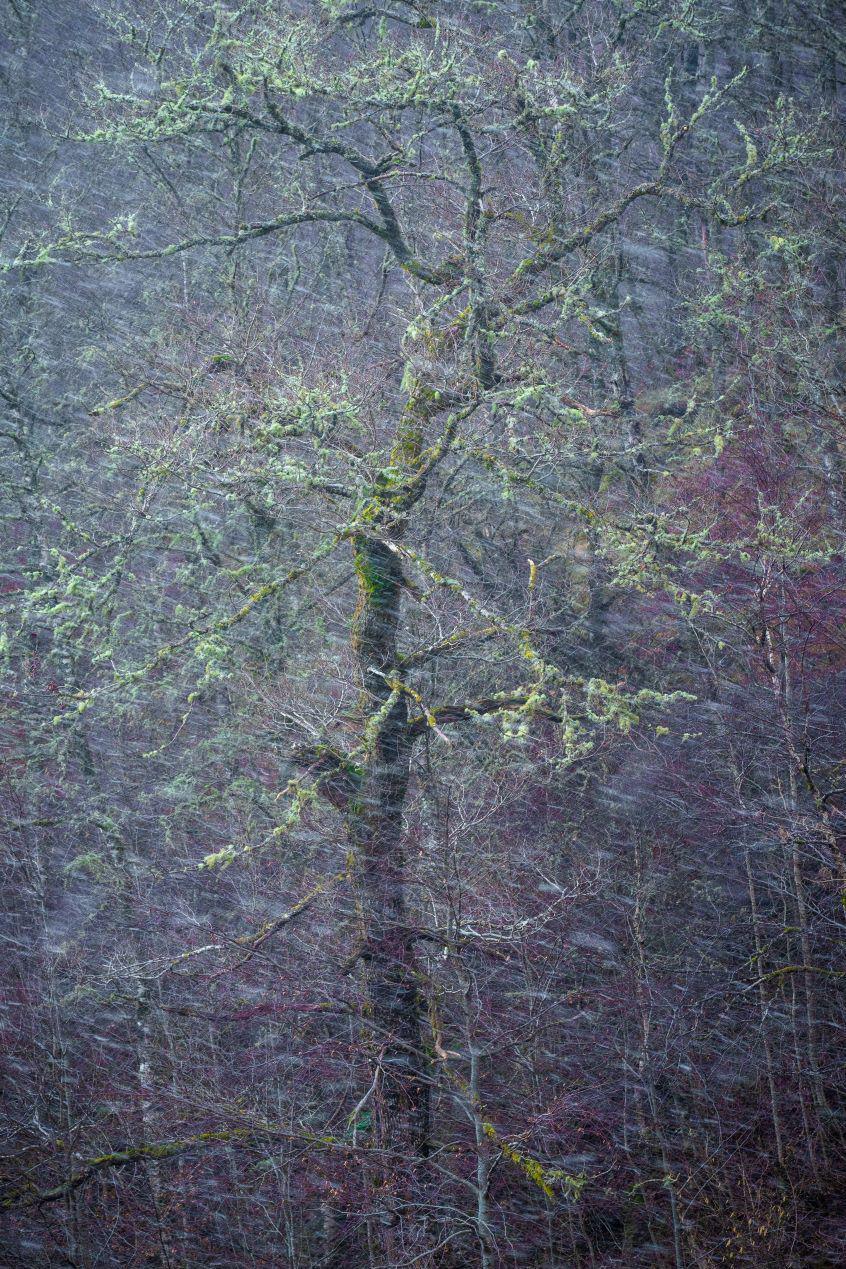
(483,1164)
(762,1003)
(778,665)
(59,1068)
(645,1070)
(145,1043)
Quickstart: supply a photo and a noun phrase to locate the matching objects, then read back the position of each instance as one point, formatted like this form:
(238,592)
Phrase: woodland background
(423,646)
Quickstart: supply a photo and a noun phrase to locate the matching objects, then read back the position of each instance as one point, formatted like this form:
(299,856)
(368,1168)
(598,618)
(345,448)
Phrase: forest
(422,634)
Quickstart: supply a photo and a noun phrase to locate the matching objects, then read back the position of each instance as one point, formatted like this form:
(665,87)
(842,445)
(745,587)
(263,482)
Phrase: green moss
(376,583)
(409,443)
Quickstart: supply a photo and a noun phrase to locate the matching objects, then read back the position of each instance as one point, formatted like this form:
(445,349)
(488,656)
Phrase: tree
(302,583)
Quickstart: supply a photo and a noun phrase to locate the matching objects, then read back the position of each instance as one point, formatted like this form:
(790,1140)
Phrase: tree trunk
(376,836)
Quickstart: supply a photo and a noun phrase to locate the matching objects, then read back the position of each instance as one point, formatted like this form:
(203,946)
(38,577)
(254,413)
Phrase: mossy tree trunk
(375,823)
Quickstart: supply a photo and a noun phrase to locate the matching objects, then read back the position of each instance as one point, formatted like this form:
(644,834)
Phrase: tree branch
(460,713)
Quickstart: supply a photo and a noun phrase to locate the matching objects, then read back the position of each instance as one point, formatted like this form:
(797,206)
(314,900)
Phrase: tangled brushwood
(423,627)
